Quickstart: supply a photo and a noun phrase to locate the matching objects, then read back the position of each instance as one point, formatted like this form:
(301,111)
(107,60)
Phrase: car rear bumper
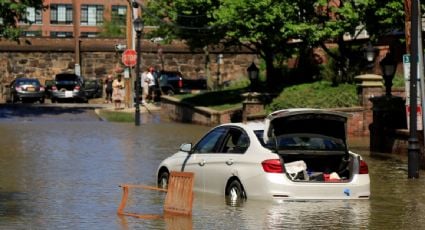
(279,187)
(32,95)
(69,94)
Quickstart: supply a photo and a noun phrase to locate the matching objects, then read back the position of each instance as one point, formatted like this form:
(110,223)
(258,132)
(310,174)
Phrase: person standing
(108,89)
(150,80)
(118,92)
(144,85)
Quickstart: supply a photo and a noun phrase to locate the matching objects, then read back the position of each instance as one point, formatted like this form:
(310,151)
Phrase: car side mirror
(186,148)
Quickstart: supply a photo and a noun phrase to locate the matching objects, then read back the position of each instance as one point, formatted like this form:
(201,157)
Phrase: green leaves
(11,12)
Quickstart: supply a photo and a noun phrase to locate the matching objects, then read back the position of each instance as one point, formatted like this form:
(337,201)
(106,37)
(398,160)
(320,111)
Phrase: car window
(236,141)
(309,142)
(210,142)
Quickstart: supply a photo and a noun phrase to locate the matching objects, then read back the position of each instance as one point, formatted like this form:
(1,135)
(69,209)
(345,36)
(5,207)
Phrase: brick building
(67,18)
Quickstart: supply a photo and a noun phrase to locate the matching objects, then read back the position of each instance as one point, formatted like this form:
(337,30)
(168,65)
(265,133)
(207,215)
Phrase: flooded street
(63,172)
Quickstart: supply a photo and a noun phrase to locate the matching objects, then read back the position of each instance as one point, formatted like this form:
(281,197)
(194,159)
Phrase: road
(51,112)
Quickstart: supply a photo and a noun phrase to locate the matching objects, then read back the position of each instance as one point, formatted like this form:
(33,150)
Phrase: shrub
(316,95)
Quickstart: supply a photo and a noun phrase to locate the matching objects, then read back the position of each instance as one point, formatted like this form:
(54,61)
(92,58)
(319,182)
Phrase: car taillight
(54,88)
(180,83)
(77,88)
(364,169)
(18,88)
(41,88)
(272,166)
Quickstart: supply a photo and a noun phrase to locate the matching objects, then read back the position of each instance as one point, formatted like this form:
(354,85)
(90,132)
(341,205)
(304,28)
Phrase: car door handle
(202,163)
(229,162)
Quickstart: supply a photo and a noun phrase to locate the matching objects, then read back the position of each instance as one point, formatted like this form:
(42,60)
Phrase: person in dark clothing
(108,89)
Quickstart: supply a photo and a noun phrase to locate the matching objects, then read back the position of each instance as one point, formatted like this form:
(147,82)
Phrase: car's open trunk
(318,168)
(311,143)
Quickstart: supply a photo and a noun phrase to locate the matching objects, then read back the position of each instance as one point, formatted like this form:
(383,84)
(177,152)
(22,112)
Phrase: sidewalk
(144,108)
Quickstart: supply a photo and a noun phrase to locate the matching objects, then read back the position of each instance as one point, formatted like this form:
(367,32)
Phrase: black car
(69,87)
(93,88)
(172,82)
(25,90)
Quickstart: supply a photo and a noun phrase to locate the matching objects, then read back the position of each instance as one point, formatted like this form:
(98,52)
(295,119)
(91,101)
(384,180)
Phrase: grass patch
(217,100)
(114,116)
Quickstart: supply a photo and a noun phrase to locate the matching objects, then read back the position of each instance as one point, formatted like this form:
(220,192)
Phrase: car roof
(251,125)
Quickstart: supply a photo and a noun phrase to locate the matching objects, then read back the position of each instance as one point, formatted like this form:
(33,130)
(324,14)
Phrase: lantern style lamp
(253,73)
(388,68)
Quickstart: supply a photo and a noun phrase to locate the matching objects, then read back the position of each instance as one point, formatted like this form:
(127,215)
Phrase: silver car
(293,154)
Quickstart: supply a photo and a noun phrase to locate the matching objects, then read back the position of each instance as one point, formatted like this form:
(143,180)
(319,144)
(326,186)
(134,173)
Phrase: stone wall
(42,58)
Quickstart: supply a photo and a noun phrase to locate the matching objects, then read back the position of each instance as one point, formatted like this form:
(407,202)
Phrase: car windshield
(28,82)
(90,83)
(66,82)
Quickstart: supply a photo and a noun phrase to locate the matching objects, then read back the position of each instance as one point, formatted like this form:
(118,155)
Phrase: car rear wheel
(235,193)
(163,180)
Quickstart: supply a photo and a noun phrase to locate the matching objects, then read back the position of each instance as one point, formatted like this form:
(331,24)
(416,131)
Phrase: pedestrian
(150,80)
(118,92)
(144,85)
(108,89)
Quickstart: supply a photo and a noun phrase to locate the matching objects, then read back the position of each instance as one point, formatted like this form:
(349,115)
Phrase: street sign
(129,57)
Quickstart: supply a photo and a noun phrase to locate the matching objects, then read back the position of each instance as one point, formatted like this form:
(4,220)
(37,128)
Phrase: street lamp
(370,54)
(253,72)
(388,67)
(138,27)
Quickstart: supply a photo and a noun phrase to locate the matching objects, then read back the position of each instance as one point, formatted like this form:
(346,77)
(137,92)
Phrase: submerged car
(25,90)
(68,86)
(93,88)
(293,154)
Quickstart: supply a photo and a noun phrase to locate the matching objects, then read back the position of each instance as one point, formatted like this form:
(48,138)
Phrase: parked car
(25,90)
(68,86)
(293,154)
(172,82)
(93,88)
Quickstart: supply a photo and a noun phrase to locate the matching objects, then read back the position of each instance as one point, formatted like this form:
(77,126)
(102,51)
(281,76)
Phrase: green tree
(115,27)
(270,27)
(12,11)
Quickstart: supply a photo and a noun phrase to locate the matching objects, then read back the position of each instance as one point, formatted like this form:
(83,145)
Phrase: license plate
(31,89)
(68,94)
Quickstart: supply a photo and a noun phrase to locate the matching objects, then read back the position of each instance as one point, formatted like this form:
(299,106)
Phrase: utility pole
(76,26)
(407,23)
(413,143)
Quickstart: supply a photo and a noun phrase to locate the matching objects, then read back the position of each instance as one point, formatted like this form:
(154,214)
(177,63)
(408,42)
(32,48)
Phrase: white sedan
(293,154)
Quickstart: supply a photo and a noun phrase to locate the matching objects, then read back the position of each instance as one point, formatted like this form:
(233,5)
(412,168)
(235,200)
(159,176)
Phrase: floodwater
(64,174)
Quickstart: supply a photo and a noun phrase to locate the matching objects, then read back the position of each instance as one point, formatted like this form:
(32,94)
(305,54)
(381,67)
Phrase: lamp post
(138,27)
(388,67)
(253,76)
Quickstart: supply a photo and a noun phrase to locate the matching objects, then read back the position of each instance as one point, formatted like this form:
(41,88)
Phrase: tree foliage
(12,11)
(270,28)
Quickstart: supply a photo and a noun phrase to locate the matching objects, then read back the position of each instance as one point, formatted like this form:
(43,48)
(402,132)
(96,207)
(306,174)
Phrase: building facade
(74,18)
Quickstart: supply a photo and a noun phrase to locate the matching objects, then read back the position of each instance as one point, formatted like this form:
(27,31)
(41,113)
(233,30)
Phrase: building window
(61,34)
(33,16)
(60,14)
(91,15)
(89,34)
(119,14)
(31,33)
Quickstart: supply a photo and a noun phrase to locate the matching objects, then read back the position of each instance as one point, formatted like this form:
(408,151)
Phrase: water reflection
(65,175)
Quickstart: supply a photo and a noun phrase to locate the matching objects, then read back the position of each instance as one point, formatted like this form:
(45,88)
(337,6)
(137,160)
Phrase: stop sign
(129,57)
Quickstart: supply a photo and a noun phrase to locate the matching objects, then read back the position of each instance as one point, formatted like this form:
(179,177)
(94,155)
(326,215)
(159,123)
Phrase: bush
(316,95)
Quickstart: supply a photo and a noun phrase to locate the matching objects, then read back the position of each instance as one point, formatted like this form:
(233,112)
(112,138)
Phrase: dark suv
(68,86)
